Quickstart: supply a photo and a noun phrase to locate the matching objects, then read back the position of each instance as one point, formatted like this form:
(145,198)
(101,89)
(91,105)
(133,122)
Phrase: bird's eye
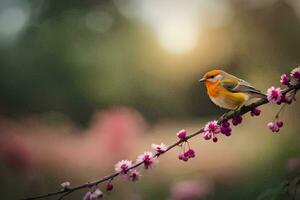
(212,76)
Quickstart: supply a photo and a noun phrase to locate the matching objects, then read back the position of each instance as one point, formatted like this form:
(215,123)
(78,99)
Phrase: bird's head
(212,77)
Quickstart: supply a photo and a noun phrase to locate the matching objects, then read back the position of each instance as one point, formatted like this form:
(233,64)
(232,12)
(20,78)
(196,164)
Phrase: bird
(228,91)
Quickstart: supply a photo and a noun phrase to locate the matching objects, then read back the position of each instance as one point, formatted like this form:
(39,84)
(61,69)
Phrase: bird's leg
(237,111)
(225,116)
(234,112)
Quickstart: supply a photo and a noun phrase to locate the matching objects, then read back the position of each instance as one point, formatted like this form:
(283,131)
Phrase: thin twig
(65,194)
(229,115)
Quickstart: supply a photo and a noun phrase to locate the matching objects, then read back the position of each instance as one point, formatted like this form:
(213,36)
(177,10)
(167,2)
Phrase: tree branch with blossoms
(128,170)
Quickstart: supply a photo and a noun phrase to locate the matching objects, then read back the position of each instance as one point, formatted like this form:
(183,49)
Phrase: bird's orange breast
(213,89)
(224,98)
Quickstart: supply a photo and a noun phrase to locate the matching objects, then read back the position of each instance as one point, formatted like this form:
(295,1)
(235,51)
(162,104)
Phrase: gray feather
(242,86)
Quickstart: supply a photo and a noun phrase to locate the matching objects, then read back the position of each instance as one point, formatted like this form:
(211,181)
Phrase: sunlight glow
(177,36)
(177,23)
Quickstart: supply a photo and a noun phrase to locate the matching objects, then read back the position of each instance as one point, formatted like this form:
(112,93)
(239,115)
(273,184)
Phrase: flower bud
(181,134)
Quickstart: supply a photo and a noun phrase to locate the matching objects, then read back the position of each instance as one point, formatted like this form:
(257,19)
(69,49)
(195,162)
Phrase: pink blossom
(109,187)
(274,95)
(225,128)
(181,134)
(279,123)
(225,123)
(295,73)
(286,99)
(93,194)
(160,148)
(276,125)
(148,159)
(255,112)
(210,130)
(192,189)
(122,166)
(183,157)
(65,185)
(191,153)
(273,127)
(285,79)
(236,120)
(133,175)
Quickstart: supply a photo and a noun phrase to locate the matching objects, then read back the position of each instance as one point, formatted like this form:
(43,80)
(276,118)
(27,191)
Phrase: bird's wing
(240,86)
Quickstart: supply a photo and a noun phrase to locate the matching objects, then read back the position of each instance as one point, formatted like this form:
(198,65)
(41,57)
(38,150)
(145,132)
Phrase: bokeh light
(13,20)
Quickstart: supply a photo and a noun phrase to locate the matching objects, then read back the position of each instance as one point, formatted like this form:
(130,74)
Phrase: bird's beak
(202,80)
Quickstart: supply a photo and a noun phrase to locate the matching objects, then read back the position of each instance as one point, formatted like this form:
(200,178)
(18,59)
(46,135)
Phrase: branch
(229,115)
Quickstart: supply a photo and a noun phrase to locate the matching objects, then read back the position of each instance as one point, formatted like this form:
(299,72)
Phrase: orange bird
(228,91)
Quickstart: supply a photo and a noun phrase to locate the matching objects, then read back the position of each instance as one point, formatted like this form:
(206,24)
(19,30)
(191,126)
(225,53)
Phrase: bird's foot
(237,111)
(225,116)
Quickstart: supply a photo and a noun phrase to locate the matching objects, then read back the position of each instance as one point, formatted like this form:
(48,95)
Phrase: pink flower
(160,148)
(181,134)
(279,123)
(122,166)
(225,128)
(255,112)
(236,120)
(210,130)
(192,189)
(275,126)
(285,79)
(148,159)
(295,73)
(183,157)
(93,194)
(226,131)
(286,99)
(274,95)
(133,175)
(190,153)
(65,185)
(109,187)
(225,123)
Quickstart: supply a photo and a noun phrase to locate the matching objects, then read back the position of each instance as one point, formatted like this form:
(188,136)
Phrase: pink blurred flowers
(93,194)
(192,190)
(123,166)
(148,160)
(159,148)
(255,112)
(134,175)
(295,73)
(285,79)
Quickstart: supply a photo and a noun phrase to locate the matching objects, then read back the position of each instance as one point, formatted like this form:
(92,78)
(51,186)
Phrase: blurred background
(85,83)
